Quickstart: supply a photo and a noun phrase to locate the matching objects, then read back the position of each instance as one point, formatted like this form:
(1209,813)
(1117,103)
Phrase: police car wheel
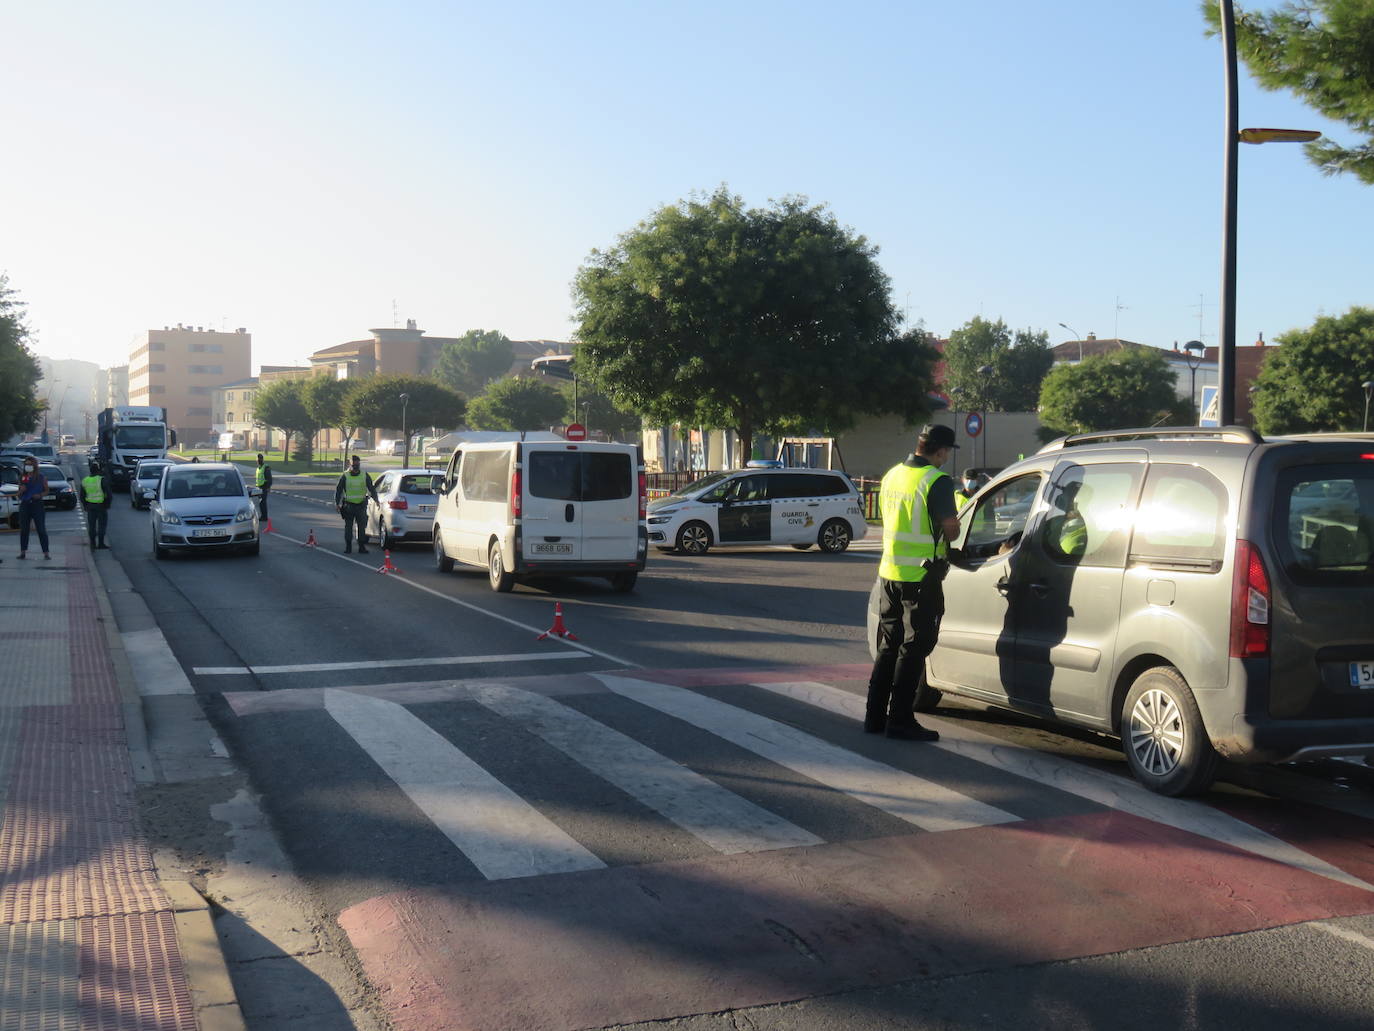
(694,539)
(834,536)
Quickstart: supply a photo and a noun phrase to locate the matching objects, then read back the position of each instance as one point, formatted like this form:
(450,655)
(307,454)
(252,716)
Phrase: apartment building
(179,367)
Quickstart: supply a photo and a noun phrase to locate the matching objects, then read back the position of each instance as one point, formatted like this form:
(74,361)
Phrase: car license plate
(207,533)
(552,549)
(425,508)
(1362,674)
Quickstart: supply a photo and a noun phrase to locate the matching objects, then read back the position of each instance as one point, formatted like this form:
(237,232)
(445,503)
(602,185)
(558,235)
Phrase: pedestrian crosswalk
(553,775)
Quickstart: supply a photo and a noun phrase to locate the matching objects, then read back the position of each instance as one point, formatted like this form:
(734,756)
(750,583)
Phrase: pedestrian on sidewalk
(96,495)
(350,499)
(919,519)
(33,487)
(264,476)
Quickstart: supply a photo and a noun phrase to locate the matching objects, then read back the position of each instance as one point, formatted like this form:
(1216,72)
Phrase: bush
(302,451)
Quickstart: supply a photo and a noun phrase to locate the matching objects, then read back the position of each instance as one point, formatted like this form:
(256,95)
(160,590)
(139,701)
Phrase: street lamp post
(405,433)
(1368,386)
(954,395)
(1192,354)
(986,372)
(1065,325)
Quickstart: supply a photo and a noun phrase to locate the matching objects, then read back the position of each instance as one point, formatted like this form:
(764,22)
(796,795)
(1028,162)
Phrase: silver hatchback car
(1197,593)
(408,499)
(203,507)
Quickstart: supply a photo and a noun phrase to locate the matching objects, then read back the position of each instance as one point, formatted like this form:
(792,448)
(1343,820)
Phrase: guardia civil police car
(753,507)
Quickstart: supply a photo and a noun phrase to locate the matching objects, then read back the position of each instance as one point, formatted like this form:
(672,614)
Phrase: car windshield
(139,436)
(203,485)
(150,472)
(52,472)
(697,486)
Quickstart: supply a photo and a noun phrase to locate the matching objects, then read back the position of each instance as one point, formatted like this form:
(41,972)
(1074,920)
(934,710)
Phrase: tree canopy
(1320,50)
(1127,388)
(1312,382)
(1019,363)
(324,398)
(518,403)
(281,405)
(714,314)
(19,369)
(376,403)
(474,360)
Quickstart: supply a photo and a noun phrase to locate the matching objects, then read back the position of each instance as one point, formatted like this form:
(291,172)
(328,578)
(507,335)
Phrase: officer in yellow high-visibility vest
(263,478)
(350,498)
(963,494)
(96,495)
(916,501)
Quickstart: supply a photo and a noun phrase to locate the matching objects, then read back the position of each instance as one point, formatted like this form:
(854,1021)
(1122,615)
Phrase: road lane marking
(324,667)
(156,670)
(500,833)
(455,601)
(924,803)
(1106,789)
(724,820)
(1345,934)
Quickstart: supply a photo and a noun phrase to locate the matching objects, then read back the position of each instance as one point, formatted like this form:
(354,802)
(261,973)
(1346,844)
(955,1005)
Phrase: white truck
(127,435)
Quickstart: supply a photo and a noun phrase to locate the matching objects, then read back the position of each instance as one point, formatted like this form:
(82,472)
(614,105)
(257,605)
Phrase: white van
(229,441)
(753,507)
(543,508)
(390,448)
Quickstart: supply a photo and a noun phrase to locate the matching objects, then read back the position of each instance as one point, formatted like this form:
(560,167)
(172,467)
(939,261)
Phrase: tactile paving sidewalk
(87,935)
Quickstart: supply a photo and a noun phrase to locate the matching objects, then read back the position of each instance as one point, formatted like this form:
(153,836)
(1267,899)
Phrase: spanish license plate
(207,533)
(552,549)
(1362,674)
(425,508)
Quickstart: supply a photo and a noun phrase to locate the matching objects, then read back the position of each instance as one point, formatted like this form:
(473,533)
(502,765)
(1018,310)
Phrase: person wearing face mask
(33,487)
(963,494)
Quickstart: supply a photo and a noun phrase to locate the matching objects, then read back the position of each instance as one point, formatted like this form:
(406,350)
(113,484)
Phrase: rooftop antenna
(394,320)
(1116,325)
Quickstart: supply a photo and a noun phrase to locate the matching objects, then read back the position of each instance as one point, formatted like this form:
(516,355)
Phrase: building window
(216,348)
(197,348)
(202,390)
(198,411)
(231,417)
(228,395)
(157,345)
(157,388)
(157,367)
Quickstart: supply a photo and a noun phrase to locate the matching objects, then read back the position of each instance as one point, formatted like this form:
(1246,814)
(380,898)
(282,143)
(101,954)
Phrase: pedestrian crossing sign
(1210,409)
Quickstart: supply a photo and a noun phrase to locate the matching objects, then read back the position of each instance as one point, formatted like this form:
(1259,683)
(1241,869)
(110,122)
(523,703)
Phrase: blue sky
(312,170)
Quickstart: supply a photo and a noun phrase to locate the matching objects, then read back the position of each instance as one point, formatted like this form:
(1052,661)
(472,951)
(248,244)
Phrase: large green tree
(376,402)
(19,369)
(281,405)
(1019,363)
(474,360)
(518,403)
(1312,382)
(1323,52)
(713,314)
(324,398)
(1127,388)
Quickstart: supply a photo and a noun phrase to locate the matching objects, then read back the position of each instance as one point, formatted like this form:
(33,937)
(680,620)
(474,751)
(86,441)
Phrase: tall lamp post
(954,395)
(986,372)
(405,433)
(1368,386)
(1226,351)
(1065,325)
(1192,354)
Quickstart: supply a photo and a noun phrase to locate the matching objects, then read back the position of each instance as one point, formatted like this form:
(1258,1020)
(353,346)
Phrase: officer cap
(936,435)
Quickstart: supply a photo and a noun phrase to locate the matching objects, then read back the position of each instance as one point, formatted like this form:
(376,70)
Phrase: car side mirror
(255,492)
(150,494)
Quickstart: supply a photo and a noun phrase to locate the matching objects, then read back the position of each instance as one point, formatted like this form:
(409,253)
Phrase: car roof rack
(1233,434)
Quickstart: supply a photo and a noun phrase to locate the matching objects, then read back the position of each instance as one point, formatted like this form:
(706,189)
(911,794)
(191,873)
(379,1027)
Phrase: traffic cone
(310,540)
(268,529)
(387,567)
(558,629)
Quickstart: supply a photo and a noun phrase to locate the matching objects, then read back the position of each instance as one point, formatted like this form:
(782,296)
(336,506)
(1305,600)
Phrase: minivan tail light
(1250,602)
(399,504)
(515,493)
(643,497)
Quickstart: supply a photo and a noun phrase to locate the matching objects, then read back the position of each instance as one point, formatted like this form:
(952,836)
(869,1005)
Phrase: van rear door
(580,503)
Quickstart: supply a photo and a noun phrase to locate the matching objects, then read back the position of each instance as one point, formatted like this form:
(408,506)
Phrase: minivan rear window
(580,475)
(1327,513)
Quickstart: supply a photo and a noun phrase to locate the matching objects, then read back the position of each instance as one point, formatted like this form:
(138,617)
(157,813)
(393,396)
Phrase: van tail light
(399,504)
(515,494)
(1250,600)
(643,498)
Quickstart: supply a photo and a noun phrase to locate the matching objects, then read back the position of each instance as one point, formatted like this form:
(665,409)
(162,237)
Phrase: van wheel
(834,536)
(501,580)
(694,539)
(441,560)
(623,583)
(1162,734)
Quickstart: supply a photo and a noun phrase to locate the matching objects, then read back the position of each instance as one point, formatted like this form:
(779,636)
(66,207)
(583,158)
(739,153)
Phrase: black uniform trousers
(908,627)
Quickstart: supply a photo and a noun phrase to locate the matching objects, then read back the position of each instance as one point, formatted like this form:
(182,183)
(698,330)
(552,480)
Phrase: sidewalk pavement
(90,937)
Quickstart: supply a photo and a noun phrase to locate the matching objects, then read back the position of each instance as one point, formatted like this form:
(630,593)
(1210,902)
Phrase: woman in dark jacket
(33,486)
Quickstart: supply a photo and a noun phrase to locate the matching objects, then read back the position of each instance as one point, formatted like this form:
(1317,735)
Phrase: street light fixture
(405,433)
(1368,386)
(954,394)
(1234,135)
(1192,354)
(1065,325)
(986,372)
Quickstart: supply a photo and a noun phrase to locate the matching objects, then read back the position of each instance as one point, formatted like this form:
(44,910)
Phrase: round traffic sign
(973,425)
(575,431)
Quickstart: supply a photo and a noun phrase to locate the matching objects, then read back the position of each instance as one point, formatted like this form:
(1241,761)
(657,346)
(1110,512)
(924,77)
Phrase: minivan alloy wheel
(1157,733)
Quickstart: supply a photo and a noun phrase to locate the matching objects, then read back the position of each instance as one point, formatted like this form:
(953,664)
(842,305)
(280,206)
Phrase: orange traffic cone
(558,629)
(309,541)
(387,567)
(268,527)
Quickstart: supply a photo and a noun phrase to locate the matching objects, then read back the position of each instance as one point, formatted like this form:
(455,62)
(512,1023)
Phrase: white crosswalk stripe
(924,803)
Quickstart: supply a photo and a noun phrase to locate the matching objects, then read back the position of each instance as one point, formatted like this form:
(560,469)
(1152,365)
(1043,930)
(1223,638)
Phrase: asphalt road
(674,817)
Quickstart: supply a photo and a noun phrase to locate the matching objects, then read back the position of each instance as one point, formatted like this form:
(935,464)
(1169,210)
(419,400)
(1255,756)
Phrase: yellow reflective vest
(262,476)
(908,533)
(95,493)
(355,487)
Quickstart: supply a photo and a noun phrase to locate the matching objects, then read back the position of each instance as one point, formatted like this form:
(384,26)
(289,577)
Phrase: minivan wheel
(501,580)
(834,535)
(1162,734)
(694,538)
(623,583)
(441,560)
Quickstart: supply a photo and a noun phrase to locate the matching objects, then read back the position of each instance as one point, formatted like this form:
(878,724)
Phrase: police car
(752,507)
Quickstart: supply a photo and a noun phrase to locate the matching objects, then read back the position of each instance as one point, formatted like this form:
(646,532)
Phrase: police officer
(350,498)
(965,491)
(264,481)
(96,496)
(917,504)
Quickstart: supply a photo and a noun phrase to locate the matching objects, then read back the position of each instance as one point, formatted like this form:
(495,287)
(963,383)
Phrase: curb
(207,972)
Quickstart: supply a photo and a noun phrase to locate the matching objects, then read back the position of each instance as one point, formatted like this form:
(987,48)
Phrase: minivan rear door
(580,503)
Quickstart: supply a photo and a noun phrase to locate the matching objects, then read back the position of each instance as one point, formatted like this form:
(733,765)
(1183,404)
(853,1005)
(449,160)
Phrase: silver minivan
(1198,593)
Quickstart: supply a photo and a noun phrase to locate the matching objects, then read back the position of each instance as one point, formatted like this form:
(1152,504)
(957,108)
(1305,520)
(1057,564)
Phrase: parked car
(543,508)
(68,440)
(40,451)
(203,507)
(147,475)
(755,506)
(9,493)
(61,491)
(408,500)
(1173,588)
